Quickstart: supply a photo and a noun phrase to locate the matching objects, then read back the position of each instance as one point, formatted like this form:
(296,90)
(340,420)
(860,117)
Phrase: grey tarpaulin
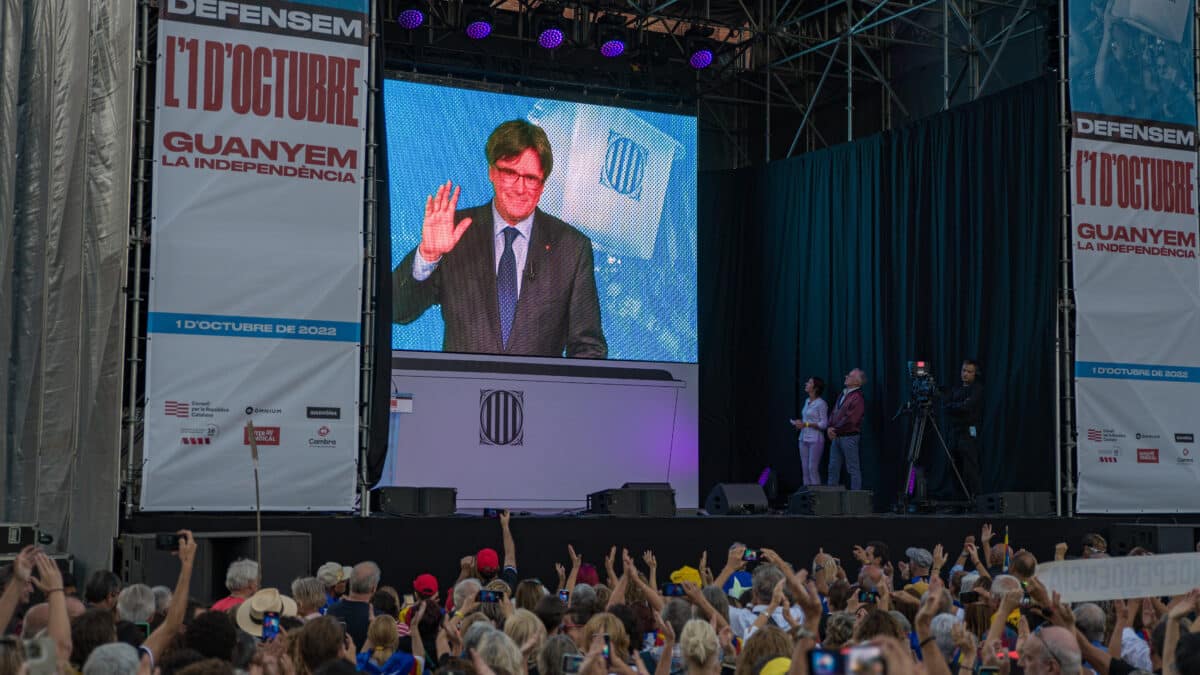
(66,100)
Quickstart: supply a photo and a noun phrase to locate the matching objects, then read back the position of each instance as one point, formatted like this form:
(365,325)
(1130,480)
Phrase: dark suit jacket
(558,310)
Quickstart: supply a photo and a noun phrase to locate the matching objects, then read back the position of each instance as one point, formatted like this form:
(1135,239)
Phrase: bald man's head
(1051,650)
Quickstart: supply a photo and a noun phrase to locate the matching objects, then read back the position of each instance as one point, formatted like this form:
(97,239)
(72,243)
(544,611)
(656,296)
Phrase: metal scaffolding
(790,75)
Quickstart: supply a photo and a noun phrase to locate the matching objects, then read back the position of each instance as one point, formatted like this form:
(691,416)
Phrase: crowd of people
(923,612)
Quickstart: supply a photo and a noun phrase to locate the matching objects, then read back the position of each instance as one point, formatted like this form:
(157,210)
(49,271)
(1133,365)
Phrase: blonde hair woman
(379,655)
(526,629)
(700,648)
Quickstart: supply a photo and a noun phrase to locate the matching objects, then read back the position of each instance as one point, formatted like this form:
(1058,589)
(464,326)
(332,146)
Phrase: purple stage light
(478,30)
(551,38)
(612,48)
(701,59)
(411,19)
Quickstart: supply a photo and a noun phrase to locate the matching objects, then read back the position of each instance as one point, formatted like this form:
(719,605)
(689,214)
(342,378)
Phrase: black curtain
(936,241)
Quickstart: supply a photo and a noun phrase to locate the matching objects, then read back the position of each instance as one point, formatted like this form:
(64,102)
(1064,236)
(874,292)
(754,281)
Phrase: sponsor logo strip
(253,327)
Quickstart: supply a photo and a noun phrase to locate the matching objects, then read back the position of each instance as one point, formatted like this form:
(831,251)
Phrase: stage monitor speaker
(634,499)
(1015,503)
(817,500)
(857,503)
(286,556)
(1124,537)
(736,499)
(411,501)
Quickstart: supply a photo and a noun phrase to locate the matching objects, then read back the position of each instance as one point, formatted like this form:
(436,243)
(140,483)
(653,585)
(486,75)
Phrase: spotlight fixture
(411,15)
(549,26)
(611,35)
(478,19)
(699,47)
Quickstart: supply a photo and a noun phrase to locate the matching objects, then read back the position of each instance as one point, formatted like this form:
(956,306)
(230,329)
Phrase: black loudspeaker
(1015,503)
(634,499)
(286,556)
(1124,537)
(411,501)
(816,500)
(736,499)
(857,503)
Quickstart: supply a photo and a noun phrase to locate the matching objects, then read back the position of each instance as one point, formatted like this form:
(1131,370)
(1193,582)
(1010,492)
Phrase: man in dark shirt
(355,609)
(964,405)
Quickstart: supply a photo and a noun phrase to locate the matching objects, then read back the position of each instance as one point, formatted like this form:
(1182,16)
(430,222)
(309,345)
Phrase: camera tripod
(922,420)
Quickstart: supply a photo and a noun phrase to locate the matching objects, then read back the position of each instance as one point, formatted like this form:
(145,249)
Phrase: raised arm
(510,548)
(576,563)
(21,574)
(652,564)
(162,636)
(50,582)
(733,563)
(1178,613)
(931,656)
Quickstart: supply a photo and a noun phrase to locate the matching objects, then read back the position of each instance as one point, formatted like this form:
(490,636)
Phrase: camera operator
(964,406)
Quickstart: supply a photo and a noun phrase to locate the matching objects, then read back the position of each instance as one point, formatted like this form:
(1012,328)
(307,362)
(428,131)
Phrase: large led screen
(535,227)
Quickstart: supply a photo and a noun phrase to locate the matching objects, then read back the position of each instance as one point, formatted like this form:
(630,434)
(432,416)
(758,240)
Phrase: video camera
(921,384)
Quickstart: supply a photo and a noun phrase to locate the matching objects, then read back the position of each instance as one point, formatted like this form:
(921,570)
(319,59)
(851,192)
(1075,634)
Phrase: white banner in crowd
(1137,281)
(256,264)
(1146,576)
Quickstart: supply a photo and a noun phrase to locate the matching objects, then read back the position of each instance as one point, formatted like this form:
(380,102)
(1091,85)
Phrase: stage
(405,547)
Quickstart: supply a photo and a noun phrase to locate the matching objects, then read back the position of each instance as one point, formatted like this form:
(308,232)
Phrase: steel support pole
(767,60)
(369,304)
(849,73)
(133,356)
(1064,406)
(945,54)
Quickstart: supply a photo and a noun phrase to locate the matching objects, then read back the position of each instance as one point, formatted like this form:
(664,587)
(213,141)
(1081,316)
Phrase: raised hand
(973,552)
(576,559)
(860,554)
(187,547)
(610,560)
(939,557)
(505,516)
(985,534)
(439,234)
(903,569)
(650,560)
(627,562)
(734,561)
(48,578)
(24,562)
(562,573)
(1060,550)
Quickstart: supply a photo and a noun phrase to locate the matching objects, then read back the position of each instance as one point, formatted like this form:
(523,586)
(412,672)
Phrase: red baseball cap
(426,585)
(487,560)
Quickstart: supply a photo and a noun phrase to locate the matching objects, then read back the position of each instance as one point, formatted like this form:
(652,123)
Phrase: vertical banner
(1137,284)
(256,264)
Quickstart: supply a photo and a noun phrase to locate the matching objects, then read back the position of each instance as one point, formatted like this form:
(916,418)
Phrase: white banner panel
(1116,578)
(1137,283)
(1138,322)
(256,263)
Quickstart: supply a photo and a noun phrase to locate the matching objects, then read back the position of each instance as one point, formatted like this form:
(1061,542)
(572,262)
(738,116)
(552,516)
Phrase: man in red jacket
(844,428)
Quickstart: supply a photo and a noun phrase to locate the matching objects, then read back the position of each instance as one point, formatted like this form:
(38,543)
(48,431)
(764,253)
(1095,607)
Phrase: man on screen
(511,279)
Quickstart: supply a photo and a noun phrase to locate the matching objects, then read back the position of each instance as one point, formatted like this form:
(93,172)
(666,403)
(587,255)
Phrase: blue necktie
(506,284)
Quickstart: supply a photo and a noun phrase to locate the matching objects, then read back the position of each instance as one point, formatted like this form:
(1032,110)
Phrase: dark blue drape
(936,241)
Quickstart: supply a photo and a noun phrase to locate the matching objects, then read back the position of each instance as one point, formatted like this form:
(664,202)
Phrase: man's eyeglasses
(509,178)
